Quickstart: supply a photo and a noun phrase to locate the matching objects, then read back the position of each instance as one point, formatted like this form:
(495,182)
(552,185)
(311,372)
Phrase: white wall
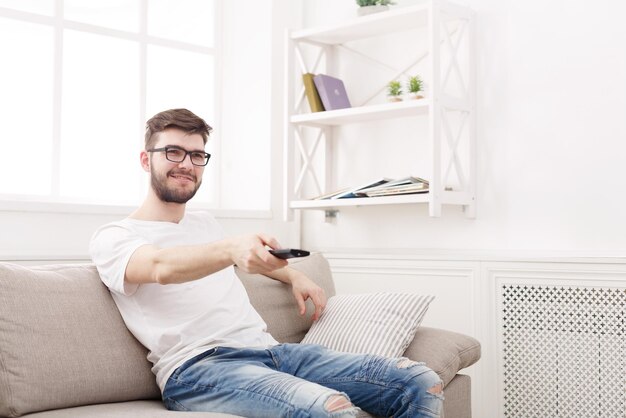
(551,138)
(246,104)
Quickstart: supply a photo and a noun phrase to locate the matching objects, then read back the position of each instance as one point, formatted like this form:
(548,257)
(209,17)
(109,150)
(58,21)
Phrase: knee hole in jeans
(437,389)
(337,403)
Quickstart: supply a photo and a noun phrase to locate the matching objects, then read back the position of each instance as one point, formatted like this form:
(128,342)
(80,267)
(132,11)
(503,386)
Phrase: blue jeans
(293,380)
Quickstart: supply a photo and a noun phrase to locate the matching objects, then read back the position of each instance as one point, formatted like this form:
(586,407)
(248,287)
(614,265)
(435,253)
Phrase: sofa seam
(473,347)
(458,357)
(11,408)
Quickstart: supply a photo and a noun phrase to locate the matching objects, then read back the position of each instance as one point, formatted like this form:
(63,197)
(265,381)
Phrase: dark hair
(182,119)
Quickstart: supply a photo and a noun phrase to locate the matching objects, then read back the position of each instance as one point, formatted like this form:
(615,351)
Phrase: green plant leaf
(394,88)
(415,84)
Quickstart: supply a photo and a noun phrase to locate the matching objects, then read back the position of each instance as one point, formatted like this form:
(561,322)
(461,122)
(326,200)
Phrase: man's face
(171,181)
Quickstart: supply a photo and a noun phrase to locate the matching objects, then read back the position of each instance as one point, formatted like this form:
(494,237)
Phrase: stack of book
(324,92)
(380,187)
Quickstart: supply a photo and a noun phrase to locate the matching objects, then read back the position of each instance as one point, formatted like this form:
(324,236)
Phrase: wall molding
(486,255)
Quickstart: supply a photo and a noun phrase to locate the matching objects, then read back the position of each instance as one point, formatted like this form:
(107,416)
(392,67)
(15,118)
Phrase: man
(171,275)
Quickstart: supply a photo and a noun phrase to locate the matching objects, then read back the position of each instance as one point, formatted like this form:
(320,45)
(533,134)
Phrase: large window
(78,80)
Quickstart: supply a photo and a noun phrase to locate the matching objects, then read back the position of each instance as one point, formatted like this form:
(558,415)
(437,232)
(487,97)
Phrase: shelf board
(396,19)
(362,201)
(363,114)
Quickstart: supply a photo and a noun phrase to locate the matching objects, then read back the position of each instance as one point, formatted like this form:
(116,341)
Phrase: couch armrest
(445,352)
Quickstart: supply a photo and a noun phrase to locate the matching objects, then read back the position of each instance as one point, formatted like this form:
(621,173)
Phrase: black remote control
(285,253)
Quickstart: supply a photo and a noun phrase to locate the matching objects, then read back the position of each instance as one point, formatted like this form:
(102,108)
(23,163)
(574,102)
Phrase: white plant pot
(366,10)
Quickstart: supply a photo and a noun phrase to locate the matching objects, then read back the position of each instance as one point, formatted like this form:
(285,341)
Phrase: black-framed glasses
(177,155)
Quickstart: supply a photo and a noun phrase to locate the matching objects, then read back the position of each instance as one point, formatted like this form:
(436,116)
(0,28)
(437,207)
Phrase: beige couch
(65,351)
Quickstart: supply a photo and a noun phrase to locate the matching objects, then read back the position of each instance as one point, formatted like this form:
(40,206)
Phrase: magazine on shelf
(397,190)
(417,182)
(382,186)
(351,192)
(330,194)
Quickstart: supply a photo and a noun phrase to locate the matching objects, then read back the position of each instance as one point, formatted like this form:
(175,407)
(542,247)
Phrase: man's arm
(152,264)
(303,288)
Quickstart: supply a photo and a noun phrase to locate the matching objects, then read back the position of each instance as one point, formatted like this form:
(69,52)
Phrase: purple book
(332,92)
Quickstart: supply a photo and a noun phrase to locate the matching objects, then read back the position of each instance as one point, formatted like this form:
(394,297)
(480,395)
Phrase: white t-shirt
(178,321)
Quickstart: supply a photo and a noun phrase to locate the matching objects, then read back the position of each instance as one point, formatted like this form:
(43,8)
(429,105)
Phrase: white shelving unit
(448,27)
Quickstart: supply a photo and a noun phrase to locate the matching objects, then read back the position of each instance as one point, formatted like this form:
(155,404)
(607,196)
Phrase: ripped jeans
(293,380)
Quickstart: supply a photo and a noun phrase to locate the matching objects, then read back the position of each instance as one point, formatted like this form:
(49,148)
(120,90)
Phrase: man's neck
(154,209)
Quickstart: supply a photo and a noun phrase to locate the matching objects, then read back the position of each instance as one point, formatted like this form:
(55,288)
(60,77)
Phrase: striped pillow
(376,323)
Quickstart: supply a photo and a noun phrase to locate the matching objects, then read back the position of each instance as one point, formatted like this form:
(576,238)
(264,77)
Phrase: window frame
(54,202)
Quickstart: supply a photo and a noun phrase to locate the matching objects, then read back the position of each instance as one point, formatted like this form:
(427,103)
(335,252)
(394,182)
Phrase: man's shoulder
(112,229)
(112,240)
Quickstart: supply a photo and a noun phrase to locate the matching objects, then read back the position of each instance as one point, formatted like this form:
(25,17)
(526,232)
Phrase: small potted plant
(372,6)
(394,91)
(415,85)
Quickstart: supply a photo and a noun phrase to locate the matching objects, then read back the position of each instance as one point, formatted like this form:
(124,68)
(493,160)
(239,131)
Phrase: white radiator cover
(563,351)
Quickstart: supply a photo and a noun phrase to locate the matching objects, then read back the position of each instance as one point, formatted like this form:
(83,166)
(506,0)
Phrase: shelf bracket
(330,215)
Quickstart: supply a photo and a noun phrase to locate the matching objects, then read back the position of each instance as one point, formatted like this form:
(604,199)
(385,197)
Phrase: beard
(169,194)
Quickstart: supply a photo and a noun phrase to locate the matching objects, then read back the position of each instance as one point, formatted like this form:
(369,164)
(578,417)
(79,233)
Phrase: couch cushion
(371,323)
(132,409)
(64,342)
(445,352)
(276,304)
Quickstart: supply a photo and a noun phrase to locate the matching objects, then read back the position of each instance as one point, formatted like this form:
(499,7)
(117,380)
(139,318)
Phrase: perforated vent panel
(564,352)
